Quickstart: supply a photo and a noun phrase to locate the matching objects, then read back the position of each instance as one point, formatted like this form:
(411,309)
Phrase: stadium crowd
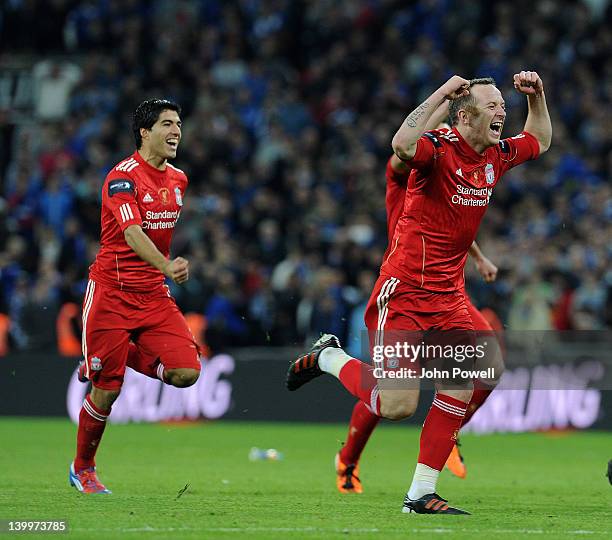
(289,108)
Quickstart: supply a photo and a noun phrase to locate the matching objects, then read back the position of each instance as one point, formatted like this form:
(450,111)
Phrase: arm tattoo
(412,118)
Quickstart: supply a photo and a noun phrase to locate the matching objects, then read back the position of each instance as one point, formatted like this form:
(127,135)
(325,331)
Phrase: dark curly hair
(147,113)
(466,102)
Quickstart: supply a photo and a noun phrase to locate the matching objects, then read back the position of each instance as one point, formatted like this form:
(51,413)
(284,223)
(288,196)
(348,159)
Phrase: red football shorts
(480,323)
(112,318)
(399,306)
(402,315)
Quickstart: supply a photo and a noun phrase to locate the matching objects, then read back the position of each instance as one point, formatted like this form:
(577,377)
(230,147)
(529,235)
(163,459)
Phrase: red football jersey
(395,195)
(448,193)
(136,193)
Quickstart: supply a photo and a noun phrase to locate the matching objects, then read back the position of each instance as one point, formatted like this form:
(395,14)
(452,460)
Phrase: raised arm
(417,122)
(538,119)
(439,116)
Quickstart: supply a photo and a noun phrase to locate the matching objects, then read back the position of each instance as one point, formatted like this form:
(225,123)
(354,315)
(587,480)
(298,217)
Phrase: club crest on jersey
(489,174)
(392,363)
(164,195)
(179,197)
(95,364)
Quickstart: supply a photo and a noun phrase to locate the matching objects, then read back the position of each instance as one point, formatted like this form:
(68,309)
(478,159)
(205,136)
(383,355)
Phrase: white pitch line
(240,530)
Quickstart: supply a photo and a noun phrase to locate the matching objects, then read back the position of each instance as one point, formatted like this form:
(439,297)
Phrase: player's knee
(398,409)
(182,377)
(498,372)
(103,399)
(492,383)
(493,363)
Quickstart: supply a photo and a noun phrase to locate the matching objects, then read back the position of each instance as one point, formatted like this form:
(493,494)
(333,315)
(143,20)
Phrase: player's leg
(397,403)
(104,352)
(181,377)
(151,366)
(326,356)
(363,420)
(444,418)
(438,437)
(168,338)
(487,339)
(142,363)
(362,424)
(493,358)
(136,359)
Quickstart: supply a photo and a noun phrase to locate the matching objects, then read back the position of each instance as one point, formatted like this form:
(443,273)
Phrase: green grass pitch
(541,485)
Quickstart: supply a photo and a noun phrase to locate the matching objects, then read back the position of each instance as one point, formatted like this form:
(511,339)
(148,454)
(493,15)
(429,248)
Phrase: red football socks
(138,362)
(363,422)
(479,396)
(358,378)
(92,422)
(440,429)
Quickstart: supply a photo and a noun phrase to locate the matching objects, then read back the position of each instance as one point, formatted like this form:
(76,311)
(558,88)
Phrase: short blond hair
(466,102)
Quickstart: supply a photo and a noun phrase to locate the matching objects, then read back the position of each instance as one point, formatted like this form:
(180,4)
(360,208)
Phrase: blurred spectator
(289,109)
(53,83)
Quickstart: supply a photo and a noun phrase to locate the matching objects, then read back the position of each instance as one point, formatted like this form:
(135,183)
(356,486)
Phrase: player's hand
(486,269)
(177,270)
(529,83)
(455,87)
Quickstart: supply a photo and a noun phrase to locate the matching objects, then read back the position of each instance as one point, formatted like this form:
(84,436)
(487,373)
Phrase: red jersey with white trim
(448,193)
(395,194)
(136,193)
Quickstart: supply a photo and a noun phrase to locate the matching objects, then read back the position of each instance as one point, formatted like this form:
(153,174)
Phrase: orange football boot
(347,477)
(455,464)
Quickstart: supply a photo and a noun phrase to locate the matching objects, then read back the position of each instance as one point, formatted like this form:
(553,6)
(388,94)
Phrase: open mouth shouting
(495,128)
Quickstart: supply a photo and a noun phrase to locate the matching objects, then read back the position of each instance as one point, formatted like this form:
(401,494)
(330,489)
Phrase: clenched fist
(529,83)
(177,270)
(486,269)
(455,87)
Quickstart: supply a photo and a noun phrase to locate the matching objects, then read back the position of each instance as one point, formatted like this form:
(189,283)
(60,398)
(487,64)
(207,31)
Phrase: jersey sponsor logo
(160,220)
(126,212)
(157,225)
(127,165)
(179,196)
(165,214)
(461,197)
(164,195)
(123,185)
(147,198)
(489,173)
